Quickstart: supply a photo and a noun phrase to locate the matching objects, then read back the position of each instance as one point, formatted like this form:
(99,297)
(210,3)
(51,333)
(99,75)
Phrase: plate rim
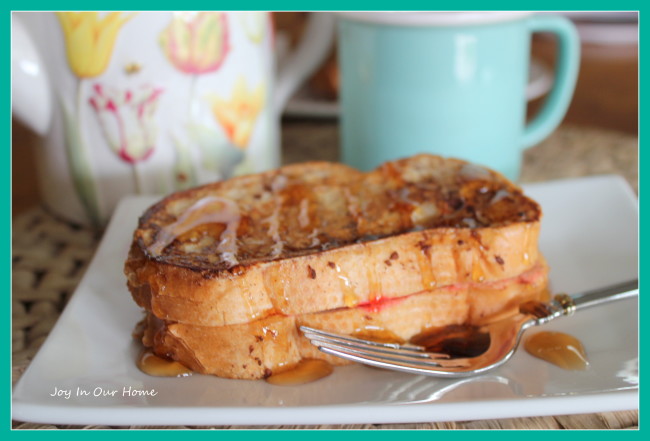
(340,414)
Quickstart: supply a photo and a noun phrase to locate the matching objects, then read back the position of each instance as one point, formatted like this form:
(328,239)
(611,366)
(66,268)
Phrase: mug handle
(566,74)
(313,47)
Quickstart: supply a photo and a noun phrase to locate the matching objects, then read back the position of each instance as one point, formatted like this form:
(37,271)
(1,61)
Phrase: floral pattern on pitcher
(238,113)
(89,42)
(196,42)
(254,24)
(127,121)
(90,39)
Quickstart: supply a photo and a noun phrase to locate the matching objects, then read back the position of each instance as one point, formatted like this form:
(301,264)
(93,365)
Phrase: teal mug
(447,83)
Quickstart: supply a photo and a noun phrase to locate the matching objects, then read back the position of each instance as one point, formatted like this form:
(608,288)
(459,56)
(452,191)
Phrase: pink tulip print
(127,121)
(196,42)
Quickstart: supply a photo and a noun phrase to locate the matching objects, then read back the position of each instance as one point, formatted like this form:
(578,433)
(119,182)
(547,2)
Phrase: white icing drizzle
(315,241)
(210,209)
(278,184)
(473,171)
(470,222)
(404,195)
(303,215)
(501,194)
(274,230)
(353,203)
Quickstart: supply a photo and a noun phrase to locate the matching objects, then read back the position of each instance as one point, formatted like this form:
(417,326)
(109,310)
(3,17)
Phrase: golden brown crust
(305,208)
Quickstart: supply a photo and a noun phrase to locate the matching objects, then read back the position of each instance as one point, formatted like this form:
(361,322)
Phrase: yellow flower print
(89,40)
(196,42)
(254,23)
(237,115)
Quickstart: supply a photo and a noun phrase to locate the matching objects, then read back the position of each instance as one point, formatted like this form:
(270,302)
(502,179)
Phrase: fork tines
(408,358)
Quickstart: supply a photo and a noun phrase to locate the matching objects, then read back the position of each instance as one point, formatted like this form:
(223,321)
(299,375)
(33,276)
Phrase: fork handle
(605,295)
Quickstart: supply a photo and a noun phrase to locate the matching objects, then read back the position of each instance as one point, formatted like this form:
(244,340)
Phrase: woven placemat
(48,259)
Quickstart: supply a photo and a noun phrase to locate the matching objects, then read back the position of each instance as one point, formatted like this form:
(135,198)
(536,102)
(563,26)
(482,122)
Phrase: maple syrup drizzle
(156,366)
(478,275)
(426,271)
(374,287)
(305,371)
(560,349)
(350,297)
(377,334)
(455,340)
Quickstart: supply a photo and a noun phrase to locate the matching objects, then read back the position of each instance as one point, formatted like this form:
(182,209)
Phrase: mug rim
(433,18)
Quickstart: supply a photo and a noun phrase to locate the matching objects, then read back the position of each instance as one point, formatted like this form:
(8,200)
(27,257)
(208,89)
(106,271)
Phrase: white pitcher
(151,102)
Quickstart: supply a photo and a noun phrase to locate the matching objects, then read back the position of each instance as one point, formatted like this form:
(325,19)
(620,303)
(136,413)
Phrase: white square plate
(589,237)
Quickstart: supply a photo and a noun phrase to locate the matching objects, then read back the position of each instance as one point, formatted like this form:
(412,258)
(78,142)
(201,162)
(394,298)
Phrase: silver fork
(504,336)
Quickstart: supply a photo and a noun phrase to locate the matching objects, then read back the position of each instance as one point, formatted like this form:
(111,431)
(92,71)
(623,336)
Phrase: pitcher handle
(310,53)
(31,100)
(566,74)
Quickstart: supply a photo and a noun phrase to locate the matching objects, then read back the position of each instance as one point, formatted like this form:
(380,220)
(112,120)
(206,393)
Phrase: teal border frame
(285,5)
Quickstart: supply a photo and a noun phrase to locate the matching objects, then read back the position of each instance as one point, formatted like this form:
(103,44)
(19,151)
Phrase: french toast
(259,348)
(223,260)
(319,236)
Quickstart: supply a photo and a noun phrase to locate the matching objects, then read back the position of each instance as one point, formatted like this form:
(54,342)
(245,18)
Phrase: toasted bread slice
(320,236)
(261,347)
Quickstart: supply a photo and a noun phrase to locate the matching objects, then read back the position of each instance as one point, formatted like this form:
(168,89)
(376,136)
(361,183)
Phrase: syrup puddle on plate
(457,341)
(156,366)
(305,371)
(560,349)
